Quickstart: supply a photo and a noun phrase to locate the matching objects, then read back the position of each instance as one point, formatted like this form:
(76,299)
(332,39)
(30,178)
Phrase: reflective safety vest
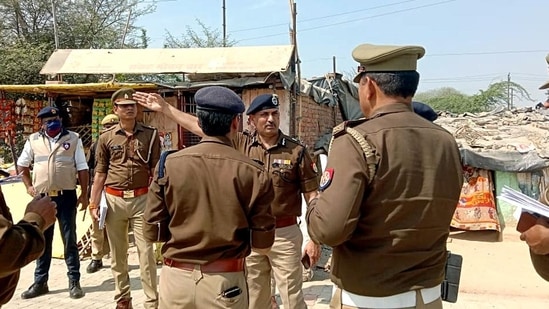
(54,165)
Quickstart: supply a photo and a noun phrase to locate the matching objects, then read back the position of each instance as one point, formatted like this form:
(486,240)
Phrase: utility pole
(334,65)
(297,67)
(54,25)
(224,26)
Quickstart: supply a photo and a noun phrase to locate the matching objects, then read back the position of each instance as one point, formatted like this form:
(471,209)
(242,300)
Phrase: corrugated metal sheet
(256,59)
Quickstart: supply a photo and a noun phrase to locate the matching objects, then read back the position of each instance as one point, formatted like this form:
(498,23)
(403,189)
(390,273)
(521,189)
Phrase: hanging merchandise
(25,113)
(7,118)
(101,108)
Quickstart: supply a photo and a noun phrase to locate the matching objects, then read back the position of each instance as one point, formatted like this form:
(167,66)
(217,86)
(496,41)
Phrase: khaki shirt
(216,202)
(20,244)
(126,159)
(389,235)
(289,165)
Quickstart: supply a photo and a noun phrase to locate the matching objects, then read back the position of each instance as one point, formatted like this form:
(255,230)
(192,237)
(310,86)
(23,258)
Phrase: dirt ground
(497,272)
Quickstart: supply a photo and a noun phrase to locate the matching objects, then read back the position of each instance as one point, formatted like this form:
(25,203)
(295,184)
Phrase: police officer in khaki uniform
(389,191)
(212,205)
(23,242)
(58,158)
(126,156)
(293,173)
(537,237)
(99,244)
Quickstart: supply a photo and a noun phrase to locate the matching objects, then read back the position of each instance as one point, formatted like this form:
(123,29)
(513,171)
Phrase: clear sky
(469,43)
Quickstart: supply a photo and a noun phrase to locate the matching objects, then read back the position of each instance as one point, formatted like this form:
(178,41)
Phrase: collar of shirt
(396,107)
(281,141)
(138,127)
(217,139)
(57,137)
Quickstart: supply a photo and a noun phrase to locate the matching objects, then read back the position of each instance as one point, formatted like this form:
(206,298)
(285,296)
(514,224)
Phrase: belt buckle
(53,193)
(128,194)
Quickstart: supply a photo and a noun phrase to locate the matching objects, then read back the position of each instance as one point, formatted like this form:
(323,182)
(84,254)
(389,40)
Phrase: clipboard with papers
(103,207)
(528,209)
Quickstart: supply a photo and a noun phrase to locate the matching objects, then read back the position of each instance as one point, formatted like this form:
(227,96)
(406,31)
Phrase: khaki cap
(386,58)
(123,96)
(110,119)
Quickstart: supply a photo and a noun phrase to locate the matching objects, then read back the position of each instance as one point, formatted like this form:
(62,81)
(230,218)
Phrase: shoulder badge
(315,168)
(326,179)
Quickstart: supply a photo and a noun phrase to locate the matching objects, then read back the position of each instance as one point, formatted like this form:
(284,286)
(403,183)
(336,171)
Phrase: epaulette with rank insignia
(369,151)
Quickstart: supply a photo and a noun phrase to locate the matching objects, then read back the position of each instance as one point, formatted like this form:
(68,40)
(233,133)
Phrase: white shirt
(27,155)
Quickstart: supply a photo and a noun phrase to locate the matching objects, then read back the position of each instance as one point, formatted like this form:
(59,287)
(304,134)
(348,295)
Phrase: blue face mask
(53,127)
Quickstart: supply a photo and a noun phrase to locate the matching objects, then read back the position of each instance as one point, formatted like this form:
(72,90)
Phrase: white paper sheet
(523,201)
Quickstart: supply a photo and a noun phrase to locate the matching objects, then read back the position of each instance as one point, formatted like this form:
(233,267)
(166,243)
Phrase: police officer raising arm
(293,173)
(210,205)
(125,159)
(389,191)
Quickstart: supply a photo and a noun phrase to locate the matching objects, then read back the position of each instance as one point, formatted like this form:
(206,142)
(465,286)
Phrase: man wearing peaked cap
(125,159)
(109,120)
(376,58)
(99,242)
(123,96)
(293,174)
(215,209)
(56,148)
(537,236)
(365,156)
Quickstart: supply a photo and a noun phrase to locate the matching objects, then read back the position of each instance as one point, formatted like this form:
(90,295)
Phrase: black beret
(48,111)
(424,111)
(218,99)
(261,102)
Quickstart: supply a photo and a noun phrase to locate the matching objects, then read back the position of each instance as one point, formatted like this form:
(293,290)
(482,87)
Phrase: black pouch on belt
(452,274)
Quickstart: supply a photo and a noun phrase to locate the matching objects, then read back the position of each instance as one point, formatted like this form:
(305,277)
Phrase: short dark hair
(396,84)
(214,123)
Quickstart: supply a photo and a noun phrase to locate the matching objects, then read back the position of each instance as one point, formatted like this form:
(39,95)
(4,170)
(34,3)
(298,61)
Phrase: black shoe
(94,266)
(36,289)
(75,291)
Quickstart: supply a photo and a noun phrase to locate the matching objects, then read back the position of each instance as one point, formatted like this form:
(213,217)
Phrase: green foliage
(21,62)
(27,33)
(206,37)
(497,94)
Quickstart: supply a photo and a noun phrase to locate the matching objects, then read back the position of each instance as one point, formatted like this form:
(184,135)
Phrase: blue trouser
(66,216)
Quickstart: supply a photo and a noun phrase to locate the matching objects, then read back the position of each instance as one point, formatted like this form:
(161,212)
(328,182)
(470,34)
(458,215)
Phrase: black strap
(163,156)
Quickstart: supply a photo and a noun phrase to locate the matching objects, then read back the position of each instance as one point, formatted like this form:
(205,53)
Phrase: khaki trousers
(284,262)
(336,302)
(99,243)
(121,213)
(185,289)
